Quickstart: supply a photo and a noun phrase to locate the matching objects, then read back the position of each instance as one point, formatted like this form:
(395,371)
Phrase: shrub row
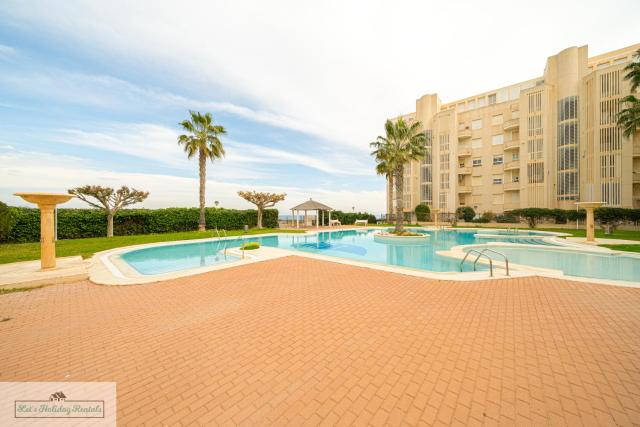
(348,218)
(560,216)
(82,223)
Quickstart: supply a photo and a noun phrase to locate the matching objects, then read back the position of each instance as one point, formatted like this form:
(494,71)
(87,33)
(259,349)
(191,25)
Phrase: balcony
(636,149)
(511,206)
(466,170)
(511,186)
(464,134)
(512,145)
(464,189)
(464,151)
(511,124)
(636,177)
(514,164)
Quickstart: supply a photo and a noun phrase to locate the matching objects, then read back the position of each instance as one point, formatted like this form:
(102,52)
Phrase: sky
(92,92)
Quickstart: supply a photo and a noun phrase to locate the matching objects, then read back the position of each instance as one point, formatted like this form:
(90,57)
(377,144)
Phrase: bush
(82,223)
(506,218)
(466,213)
(250,246)
(422,212)
(6,221)
(349,218)
(559,215)
(485,217)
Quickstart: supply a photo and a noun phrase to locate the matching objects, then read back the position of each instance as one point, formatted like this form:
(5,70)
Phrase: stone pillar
(47,238)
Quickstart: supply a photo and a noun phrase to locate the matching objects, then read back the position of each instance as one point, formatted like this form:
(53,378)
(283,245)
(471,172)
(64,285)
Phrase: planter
(388,238)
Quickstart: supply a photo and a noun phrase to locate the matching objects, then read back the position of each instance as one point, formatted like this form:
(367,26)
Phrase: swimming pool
(598,265)
(357,245)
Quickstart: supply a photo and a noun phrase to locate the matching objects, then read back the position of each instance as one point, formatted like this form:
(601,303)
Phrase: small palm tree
(629,117)
(402,144)
(202,139)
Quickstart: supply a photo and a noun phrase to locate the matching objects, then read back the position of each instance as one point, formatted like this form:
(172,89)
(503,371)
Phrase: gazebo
(311,205)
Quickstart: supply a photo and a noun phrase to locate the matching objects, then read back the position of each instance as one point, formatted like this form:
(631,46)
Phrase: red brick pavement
(298,341)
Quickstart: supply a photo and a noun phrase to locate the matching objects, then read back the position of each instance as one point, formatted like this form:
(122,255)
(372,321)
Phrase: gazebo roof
(311,205)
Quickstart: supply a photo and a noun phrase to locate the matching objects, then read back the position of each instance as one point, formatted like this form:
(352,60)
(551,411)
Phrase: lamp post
(47,204)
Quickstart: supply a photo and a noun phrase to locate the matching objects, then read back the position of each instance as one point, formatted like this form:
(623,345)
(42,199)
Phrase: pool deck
(301,341)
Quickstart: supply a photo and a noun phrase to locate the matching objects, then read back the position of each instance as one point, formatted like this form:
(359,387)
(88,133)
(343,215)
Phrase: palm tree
(402,144)
(629,117)
(202,139)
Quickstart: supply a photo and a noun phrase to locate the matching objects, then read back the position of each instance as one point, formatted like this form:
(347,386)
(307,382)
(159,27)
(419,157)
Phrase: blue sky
(91,92)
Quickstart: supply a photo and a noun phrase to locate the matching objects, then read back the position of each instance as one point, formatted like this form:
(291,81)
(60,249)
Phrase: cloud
(35,171)
(6,51)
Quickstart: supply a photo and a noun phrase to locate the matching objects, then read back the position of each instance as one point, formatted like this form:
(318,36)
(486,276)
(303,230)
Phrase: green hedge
(603,215)
(82,223)
(349,218)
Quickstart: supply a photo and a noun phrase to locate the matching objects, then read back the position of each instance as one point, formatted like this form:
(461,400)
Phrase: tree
(109,200)
(402,144)
(629,117)
(6,221)
(466,213)
(262,201)
(202,140)
(422,212)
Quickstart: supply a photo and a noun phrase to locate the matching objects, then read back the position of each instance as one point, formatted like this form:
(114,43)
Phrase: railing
(510,124)
(464,151)
(464,189)
(511,186)
(514,143)
(483,254)
(464,170)
(514,164)
(636,148)
(462,134)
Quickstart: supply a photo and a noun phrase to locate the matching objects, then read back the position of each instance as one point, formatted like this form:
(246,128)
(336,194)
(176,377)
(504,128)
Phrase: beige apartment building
(546,142)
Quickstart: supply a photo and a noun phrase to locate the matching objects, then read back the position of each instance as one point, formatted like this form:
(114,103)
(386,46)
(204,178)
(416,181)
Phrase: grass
(250,246)
(14,252)
(628,248)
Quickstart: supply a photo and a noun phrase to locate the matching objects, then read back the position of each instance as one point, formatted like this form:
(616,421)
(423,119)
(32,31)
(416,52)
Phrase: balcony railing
(514,164)
(511,206)
(463,152)
(636,177)
(511,124)
(511,186)
(464,189)
(465,170)
(463,134)
(636,148)
(513,144)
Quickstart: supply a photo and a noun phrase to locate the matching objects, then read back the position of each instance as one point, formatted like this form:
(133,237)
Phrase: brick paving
(299,341)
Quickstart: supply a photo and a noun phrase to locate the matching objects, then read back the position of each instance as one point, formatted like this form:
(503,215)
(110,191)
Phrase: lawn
(628,248)
(14,252)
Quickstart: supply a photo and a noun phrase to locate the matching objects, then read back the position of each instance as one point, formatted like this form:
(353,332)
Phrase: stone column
(591,228)
(47,238)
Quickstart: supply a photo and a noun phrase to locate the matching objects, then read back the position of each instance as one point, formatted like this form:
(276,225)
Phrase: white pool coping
(107,267)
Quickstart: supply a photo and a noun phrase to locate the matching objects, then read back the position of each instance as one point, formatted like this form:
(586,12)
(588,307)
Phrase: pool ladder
(481,254)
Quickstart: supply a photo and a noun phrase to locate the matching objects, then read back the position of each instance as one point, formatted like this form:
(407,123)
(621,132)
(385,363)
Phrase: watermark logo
(57,402)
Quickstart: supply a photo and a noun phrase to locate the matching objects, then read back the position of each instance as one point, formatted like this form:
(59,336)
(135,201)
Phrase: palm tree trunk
(202,224)
(399,180)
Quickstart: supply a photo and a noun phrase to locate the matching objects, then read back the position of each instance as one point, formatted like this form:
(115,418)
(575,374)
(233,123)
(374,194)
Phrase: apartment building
(546,142)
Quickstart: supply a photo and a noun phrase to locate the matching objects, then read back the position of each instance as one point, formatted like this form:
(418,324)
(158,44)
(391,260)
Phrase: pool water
(583,264)
(165,259)
(353,244)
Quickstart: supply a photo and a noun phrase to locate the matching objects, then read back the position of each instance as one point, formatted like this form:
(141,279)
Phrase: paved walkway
(300,341)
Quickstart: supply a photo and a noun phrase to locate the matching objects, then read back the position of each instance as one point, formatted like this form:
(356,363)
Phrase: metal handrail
(506,260)
(483,254)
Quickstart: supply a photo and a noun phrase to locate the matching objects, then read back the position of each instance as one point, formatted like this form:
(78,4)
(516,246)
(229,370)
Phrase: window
(498,159)
(497,179)
(471,104)
(482,102)
(515,178)
(515,156)
(476,143)
(476,124)
(492,99)
(461,126)
(497,119)
(497,139)
(498,199)
(477,162)
(461,107)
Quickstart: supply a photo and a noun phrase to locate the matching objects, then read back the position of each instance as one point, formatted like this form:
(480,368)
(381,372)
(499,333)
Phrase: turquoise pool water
(582,264)
(353,244)
(165,259)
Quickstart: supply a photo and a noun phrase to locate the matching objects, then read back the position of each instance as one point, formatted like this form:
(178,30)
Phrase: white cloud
(34,171)
(6,51)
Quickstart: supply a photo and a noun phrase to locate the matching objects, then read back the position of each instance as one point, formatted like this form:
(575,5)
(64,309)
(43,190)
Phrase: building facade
(548,142)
